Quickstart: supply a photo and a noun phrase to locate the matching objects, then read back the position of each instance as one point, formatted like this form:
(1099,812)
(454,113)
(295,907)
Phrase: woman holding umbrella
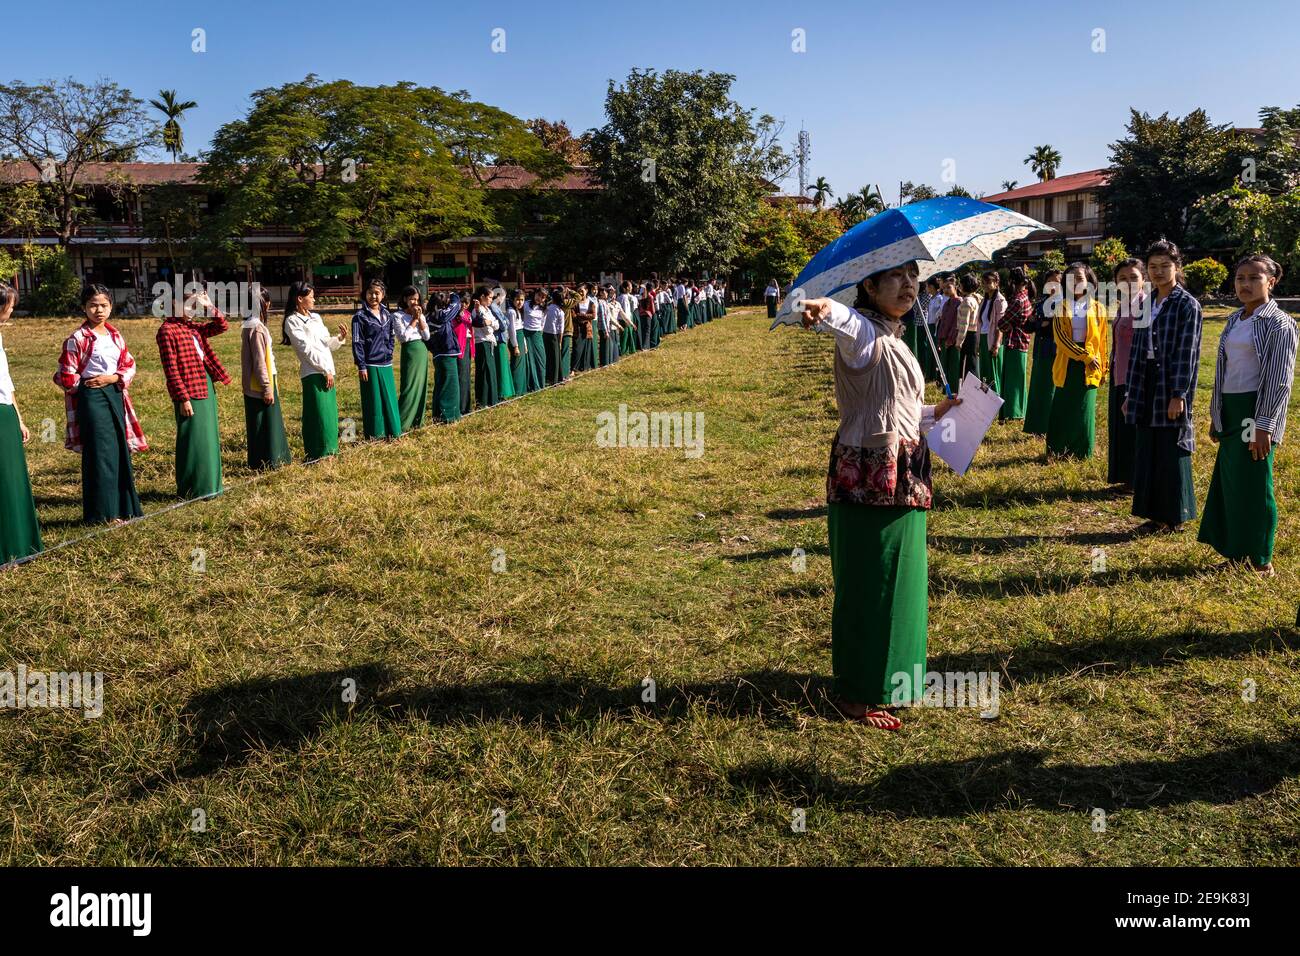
(878,491)
(1081,332)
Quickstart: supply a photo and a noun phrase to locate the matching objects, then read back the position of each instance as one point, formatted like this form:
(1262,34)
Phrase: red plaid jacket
(72,361)
(184,370)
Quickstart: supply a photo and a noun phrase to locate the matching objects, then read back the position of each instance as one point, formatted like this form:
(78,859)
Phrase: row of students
(504,338)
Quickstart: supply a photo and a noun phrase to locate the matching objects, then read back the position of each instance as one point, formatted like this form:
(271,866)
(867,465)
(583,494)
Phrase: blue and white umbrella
(939,234)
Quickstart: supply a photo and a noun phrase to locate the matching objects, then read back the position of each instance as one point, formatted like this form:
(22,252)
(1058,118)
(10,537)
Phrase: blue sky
(888,91)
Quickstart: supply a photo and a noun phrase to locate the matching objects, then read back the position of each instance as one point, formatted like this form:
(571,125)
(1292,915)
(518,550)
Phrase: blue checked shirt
(1176,333)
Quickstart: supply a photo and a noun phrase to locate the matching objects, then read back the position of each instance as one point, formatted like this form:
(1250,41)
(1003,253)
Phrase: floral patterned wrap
(890,476)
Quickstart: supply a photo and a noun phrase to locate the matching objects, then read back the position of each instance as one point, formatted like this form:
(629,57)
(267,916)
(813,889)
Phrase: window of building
(279,270)
(1074,210)
(114,273)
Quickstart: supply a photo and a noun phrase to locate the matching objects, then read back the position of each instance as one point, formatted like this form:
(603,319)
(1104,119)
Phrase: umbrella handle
(938,362)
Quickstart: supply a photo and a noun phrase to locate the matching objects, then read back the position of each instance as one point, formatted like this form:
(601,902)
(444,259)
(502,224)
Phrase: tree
(61,127)
(958,191)
(1160,170)
(683,168)
(172,139)
(820,190)
(860,205)
(817,229)
(1205,276)
(770,246)
(914,192)
(376,166)
(1260,210)
(1106,257)
(557,138)
(1044,161)
(1009,184)
(1052,259)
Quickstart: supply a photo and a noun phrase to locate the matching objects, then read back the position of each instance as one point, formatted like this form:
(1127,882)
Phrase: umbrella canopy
(940,234)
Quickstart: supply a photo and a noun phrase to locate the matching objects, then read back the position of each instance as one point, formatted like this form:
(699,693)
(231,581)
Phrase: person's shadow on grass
(1022,779)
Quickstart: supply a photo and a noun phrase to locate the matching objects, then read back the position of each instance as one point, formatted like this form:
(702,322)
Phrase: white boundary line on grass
(347,448)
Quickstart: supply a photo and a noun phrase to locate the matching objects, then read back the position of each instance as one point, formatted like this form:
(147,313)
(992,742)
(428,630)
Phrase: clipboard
(958,435)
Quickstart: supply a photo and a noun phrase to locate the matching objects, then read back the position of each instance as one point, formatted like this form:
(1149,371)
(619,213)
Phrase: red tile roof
(97,174)
(154,174)
(1074,182)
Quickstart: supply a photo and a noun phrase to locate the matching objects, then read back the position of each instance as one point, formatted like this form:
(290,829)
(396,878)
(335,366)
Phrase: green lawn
(1121,689)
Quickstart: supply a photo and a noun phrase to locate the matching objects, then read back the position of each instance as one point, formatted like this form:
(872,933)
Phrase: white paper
(957,436)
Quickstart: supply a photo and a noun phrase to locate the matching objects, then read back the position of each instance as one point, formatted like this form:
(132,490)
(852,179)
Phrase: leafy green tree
(771,246)
(1052,259)
(1161,169)
(1044,161)
(379,166)
(59,128)
(958,191)
(1009,184)
(1106,257)
(915,192)
(173,139)
(683,168)
(1260,210)
(1205,276)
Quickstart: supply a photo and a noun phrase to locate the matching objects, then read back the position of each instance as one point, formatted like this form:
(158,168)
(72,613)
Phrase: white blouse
(313,344)
(104,357)
(1079,320)
(6,381)
(1242,371)
(486,333)
(554,320)
(534,318)
(408,330)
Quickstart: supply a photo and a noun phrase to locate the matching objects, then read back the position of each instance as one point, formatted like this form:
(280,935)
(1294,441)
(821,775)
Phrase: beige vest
(880,403)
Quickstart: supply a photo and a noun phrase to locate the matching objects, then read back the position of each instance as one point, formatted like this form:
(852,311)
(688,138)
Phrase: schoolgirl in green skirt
(468,353)
(20,532)
(413,334)
(374,337)
(190,367)
(1160,396)
(507,347)
(1038,404)
(95,372)
(268,447)
(1014,326)
(1081,330)
(315,348)
(519,356)
(445,348)
(570,302)
(485,349)
(1253,375)
(535,336)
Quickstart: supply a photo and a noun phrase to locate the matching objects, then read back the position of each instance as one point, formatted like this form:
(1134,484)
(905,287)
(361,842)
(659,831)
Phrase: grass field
(1121,689)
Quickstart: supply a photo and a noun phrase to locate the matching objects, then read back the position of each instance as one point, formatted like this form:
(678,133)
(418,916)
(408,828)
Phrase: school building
(110,245)
(1069,204)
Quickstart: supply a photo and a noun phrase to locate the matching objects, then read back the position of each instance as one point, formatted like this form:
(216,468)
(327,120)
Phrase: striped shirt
(1274,335)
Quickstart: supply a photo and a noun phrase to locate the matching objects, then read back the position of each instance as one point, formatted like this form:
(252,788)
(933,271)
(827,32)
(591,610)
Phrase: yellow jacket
(1096,343)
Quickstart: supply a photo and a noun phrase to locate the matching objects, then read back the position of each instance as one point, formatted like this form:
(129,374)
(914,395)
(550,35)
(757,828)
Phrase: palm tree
(820,190)
(173,141)
(1009,184)
(1044,161)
